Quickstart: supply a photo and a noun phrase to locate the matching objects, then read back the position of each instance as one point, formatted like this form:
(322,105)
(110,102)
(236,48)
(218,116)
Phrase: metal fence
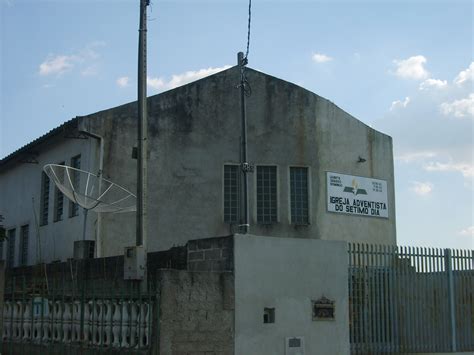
(67,313)
(408,299)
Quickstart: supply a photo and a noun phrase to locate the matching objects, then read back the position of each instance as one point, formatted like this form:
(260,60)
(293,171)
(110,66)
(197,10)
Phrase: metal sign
(356,195)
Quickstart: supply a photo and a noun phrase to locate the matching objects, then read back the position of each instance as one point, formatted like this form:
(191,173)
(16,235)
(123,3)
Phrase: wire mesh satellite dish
(91,192)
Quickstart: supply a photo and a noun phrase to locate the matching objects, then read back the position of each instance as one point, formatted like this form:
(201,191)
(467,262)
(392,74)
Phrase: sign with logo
(357,195)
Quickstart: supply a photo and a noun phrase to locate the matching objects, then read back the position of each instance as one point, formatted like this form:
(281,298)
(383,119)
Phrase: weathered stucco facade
(193,131)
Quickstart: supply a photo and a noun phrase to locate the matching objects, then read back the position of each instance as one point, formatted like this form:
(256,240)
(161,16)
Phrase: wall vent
(294,346)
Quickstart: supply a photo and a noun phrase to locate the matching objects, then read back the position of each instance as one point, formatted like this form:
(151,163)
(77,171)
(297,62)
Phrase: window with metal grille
(58,201)
(267,194)
(231,193)
(1,249)
(299,197)
(75,178)
(44,199)
(11,248)
(24,240)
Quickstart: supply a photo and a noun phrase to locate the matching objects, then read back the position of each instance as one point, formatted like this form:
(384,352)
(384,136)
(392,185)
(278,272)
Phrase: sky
(404,67)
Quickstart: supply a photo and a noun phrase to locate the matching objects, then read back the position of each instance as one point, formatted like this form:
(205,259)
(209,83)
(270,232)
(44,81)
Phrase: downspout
(99,174)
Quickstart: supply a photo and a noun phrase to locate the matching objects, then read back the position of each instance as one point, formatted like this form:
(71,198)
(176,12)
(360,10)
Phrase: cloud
(459,108)
(400,104)
(86,58)
(415,156)
(90,70)
(465,75)
(422,188)
(423,136)
(466,169)
(181,79)
(321,58)
(123,81)
(412,68)
(469,231)
(433,84)
(56,65)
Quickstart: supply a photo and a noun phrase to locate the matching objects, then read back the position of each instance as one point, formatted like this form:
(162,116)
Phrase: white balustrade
(106,322)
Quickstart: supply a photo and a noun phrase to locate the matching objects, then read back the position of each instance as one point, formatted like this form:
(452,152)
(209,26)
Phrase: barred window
(58,201)
(267,194)
(231,193)
(11,248)
(24,240)
(75,178)
(299,197)
(44,207)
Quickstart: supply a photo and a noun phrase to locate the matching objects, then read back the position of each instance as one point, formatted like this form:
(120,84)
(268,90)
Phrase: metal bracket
(247,167)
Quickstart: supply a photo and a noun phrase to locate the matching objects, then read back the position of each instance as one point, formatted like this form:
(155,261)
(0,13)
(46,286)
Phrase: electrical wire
(248,30)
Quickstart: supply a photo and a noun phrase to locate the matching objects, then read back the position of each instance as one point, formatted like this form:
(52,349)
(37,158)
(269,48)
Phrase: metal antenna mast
(142,163)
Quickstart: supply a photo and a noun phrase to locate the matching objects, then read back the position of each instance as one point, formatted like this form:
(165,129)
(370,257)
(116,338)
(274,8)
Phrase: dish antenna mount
(91,192)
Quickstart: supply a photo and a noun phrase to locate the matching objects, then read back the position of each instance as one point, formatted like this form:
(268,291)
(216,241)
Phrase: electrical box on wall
(294,346)
(134,263)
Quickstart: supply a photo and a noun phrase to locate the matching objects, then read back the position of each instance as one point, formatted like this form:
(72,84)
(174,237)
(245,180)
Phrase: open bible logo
(354,189)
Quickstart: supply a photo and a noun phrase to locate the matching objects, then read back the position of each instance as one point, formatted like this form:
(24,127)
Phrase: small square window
(269,315)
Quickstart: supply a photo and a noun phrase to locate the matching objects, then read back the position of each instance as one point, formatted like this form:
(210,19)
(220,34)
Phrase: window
(75,179)
(299,195)
(24,239)
(11,248)
(269,315)
(266,194)
(58,200)
(44,207)
(231,193)
(1,249)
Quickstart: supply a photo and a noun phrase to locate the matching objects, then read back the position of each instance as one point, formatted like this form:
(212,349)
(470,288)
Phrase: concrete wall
(196,313)
(287,274)
(194,131)
(20,191)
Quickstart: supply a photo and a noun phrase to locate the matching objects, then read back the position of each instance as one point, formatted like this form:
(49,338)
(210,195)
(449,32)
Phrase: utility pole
(244,165)
(142,163)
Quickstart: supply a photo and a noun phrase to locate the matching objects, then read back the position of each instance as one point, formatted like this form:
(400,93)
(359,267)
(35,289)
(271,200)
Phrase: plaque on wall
(323,309)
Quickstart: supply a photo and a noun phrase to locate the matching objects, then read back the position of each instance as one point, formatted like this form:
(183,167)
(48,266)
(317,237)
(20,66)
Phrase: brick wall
(196,313)
(211,254)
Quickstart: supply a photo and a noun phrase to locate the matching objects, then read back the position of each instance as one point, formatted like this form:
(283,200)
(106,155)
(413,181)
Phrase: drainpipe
(99,174)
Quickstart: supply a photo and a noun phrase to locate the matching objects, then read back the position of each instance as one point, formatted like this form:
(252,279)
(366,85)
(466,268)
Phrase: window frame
(277,194)
(237,165)
(309,196)
(74,207)
(58,195)
(10,254)
(44,199)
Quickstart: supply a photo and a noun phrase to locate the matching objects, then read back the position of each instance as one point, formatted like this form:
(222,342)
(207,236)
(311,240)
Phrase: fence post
(452,309)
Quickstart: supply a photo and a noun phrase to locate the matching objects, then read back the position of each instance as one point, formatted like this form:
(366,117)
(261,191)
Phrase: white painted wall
(287,274)
(20,195)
